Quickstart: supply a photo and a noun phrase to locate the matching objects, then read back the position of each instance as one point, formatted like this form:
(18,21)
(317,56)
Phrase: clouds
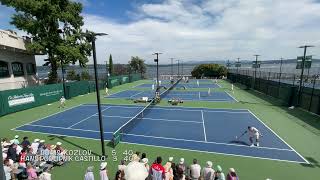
(211,30)
(208,30)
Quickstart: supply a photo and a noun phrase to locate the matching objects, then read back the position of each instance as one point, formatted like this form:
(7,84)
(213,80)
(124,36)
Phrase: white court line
(228,154)
(231,96)
(136,94)
(166,147)
(204,127)
(87,118)
(47,116)
(155,119)
(279,137)
(159,137)
(208,142)
(76,129)
(191,109)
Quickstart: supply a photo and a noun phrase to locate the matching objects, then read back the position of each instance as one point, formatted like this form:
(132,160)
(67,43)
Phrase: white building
(17,66)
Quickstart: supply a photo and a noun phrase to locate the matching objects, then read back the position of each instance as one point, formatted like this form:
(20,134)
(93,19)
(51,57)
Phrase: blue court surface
(183,95)
(196,129)
(191,81)
(180,85)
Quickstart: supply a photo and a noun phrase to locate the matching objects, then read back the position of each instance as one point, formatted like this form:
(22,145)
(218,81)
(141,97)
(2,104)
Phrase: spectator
(45,154)
(135,171)
(35,146)
(22,158)
(12,152)
(195,170)
(7,169)
(122,165)
(180,174)
(119,175)
(89,174)
(25,143)
(232,175)
(168,169)
(103,171)
(5,143)
(135,157)
(182,165)
(16,140)
(174,170)
(32,173)
(45,175)
(157,171)
(41,144)
(208,172)
(143,155)
(145,163)
(219,174)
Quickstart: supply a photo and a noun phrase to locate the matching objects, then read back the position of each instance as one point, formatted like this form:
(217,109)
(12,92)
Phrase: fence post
(268,83)
(314,82)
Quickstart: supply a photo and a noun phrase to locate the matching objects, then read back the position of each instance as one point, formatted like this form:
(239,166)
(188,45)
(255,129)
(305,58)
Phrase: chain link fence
(283,86)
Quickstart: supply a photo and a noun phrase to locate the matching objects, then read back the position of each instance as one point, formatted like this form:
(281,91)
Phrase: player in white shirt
(254,134)
(232,88)
(209,92)
(62,102)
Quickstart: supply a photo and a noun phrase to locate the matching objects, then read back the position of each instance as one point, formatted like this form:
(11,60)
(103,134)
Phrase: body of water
(289,68)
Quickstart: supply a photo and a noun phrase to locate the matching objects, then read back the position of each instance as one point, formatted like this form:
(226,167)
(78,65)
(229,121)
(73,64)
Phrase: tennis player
(107,91)
(62,102)
(198,82)
(232,88)
(254,134)
(152,87)
(209,92)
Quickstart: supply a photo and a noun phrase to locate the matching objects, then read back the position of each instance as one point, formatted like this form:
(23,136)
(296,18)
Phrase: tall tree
(110,65)
(55,29)
(209,70)
(137,65)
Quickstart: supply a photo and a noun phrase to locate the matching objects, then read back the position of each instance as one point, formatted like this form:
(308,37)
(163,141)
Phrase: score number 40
(127,155)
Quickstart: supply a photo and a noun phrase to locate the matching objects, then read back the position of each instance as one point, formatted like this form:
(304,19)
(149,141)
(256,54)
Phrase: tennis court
(196,129)
(183,95)
(181,85)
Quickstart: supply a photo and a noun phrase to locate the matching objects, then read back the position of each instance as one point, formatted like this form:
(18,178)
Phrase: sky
(198,30)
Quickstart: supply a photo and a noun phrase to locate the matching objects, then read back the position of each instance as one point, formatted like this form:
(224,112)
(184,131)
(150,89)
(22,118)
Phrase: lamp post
(238,65)
(182,68)
(178,68)
(255,70)
(302,70)
(172,67)
(92,36)
(60,31)
(157,61)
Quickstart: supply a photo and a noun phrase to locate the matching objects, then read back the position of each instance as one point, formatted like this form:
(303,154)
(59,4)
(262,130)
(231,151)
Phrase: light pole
(178,68)
(281,61)
(172,67)
(60,31)
(157,61)
(302,70)
(255,70)
(238,63)
(182,68)
(92,37)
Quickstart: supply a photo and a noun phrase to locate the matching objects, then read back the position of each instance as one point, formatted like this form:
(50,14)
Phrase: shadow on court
(239,142)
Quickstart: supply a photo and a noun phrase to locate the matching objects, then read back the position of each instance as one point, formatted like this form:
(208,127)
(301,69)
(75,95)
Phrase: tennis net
(129,125)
